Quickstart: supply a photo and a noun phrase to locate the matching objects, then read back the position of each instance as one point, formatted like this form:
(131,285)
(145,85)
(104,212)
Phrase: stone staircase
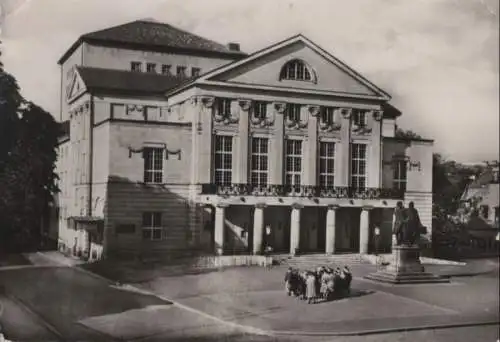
(312,261)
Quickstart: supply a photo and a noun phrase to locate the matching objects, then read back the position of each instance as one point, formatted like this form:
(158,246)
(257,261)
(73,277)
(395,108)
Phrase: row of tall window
(259,163)
(292,112)
(164,69)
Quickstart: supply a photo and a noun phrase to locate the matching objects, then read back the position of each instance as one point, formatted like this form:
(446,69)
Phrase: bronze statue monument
(405,267)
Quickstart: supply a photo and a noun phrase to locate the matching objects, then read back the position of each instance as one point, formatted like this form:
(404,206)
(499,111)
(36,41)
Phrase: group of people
(322,284)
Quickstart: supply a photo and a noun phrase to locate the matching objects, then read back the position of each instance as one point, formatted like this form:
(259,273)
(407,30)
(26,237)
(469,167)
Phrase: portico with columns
(300,164)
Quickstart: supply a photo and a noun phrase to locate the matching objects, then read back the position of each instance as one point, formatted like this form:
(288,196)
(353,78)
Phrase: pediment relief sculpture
(132,109)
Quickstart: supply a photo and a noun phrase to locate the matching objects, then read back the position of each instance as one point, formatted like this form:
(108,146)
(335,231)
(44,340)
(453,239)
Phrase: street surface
(50,301)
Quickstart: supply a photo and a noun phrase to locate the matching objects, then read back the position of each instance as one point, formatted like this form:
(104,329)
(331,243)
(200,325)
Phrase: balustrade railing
(301,191)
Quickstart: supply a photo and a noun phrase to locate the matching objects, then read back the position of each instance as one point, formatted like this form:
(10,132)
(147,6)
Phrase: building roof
(127,81)
(209,77)
(484,186)
(64,131)
(485,178)
(390,111)
(153,35)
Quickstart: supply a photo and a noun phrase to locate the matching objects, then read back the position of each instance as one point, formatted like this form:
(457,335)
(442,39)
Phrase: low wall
(233,260)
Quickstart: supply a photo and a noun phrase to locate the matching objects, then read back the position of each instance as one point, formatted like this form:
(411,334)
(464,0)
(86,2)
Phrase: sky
(437,58)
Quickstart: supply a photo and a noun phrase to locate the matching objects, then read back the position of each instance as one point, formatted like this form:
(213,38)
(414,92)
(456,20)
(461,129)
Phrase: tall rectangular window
(259,172)
(223,159)
(358,166)
(151,226)
(293,111)
(153,164)
(293,162)
(399,176)
(326,163)
(136,66)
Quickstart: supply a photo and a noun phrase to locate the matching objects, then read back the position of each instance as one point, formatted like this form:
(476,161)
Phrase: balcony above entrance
(227,190)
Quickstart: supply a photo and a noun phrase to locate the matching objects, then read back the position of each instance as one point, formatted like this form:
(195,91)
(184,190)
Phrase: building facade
(483,195)
(179,144)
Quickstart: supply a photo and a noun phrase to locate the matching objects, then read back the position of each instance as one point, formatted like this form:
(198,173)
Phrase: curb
(384,331)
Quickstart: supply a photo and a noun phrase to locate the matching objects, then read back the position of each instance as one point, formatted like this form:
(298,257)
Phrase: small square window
(181,71)
(151,67)
(136,66)
(166,69)
(195,72)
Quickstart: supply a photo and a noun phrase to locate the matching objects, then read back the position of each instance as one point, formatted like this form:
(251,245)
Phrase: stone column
(330,229)
(375,154)
(196,131)
(343,161)
(220,220)
(276,156)
(310,160)
(364,230)
(241,174)
(204,161)
(295,228)
(258,228)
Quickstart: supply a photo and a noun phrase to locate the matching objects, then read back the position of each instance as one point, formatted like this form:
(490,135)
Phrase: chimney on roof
(233,46)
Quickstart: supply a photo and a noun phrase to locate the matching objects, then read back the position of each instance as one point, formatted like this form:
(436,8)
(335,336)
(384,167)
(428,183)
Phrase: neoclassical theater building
(174,143)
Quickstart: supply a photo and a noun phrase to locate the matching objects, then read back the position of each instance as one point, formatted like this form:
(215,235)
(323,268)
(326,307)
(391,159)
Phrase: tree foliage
(406,134)
(28,140)
(450,180)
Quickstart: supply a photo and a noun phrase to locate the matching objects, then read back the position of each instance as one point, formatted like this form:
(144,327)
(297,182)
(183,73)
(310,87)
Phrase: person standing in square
(376,239)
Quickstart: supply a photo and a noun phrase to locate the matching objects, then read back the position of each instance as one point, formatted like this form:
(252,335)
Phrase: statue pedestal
(405,268)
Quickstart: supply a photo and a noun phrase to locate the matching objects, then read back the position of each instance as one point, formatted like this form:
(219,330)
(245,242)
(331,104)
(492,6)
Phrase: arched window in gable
(296,70)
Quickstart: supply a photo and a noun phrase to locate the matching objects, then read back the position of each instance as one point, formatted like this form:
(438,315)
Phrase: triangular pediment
(263,69)
(75,87)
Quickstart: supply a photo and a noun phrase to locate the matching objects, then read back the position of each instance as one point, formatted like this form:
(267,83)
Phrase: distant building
(483,193)
(177,144)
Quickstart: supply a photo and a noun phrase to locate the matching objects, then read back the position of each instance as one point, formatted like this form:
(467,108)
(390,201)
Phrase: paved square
(255,297)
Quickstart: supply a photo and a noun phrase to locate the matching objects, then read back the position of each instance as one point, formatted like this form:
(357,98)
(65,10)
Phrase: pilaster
(204,129)
(276,146)
(242,152)
(310,155)
(375,150)
(343,160)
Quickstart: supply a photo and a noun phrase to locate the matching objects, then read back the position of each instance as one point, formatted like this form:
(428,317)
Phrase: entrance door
(321,219)
(347,230)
